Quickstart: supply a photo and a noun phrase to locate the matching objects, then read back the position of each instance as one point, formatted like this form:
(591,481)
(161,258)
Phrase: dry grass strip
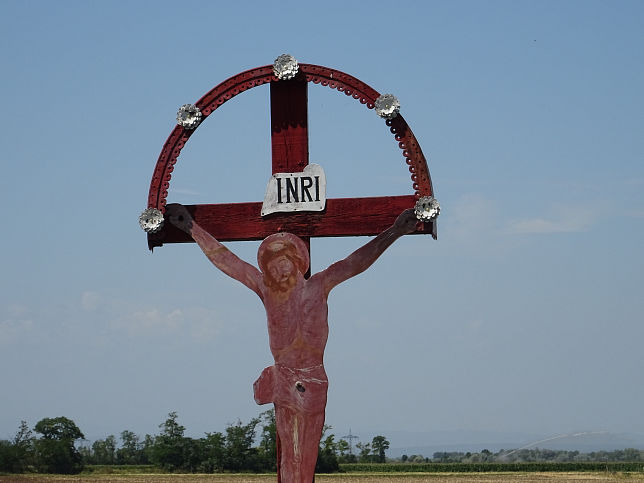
(337,478)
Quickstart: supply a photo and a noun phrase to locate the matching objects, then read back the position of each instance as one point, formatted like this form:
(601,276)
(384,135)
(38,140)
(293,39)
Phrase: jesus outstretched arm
(217,253)
(366,255)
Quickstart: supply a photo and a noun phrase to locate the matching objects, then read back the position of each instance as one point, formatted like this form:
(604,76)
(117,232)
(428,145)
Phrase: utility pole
(350,437)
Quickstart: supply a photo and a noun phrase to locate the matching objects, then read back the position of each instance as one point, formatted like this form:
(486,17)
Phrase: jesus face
(282,272)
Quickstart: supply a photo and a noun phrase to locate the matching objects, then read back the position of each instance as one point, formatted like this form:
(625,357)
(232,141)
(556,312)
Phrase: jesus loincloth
(303,389)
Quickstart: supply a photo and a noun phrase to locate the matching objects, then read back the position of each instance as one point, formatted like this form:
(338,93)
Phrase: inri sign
(302,191)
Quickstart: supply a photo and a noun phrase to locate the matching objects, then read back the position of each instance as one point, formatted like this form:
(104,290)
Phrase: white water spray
(560,436)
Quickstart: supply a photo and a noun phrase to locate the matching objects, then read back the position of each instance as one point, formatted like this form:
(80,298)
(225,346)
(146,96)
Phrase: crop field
(522,477)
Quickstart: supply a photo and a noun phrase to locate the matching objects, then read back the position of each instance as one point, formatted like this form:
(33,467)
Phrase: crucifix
(294,210)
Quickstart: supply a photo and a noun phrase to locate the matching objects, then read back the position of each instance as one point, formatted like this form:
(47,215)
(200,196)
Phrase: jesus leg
(299,435)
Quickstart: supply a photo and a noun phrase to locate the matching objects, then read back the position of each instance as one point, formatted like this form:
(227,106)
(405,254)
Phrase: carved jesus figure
(296,309)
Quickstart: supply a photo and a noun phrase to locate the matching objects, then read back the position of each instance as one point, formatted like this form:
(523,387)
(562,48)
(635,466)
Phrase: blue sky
(525,316)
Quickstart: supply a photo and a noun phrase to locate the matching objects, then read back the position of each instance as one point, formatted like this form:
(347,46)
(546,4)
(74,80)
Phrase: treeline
(528,455)
(525,467)
(61,448)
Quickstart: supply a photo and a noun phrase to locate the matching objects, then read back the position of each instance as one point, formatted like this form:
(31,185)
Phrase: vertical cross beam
(290,131)
(289,126)
(289,148)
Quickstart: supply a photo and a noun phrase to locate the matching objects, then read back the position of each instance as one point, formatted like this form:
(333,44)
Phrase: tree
(213,453)
(104,451)
(24,436)
(379,445)
(167,451)
(240,453)
(148,448)
(7,459)
(85,452)
(342,447)
(327,461)
(23,448)
(130,452)
(486,455)
(364,449)
(192,454)
(55,450)
(632,454)
(59,429)
(268,440)
(18,455)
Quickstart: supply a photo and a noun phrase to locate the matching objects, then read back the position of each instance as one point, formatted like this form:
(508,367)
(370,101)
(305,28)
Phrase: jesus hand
(406,222)
(179,216)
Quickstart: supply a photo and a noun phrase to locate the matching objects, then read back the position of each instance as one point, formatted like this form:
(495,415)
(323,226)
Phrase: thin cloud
(151,320)
(567,220)
(90,300)
(200,323)
(10,329)
(471,217)
(14,323)
(16,310)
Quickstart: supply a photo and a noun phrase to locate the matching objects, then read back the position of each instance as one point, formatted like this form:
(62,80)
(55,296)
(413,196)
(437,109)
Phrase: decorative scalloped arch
(325,76)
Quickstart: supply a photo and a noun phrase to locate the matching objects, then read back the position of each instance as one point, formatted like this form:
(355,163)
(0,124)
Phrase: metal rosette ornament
(387,106)
(427,208)
(151,220)
(285,67)
(189,116)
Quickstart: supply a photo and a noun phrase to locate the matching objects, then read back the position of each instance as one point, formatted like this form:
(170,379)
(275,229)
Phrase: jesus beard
(284,286)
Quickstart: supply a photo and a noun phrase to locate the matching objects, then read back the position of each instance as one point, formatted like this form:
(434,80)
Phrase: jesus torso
(297,324)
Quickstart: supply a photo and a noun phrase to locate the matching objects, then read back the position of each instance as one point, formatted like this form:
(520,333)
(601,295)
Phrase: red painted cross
(290,153)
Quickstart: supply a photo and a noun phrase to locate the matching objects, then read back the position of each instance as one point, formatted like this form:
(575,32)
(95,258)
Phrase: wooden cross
(290,153)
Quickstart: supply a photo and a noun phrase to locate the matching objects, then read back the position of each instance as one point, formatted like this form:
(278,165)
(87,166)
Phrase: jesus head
(280,257)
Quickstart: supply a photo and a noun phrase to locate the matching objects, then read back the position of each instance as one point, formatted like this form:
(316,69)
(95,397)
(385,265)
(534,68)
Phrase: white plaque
(289,192)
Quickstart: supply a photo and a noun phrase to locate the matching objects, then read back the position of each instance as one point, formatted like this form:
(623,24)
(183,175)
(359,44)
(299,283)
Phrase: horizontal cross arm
(342,217)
